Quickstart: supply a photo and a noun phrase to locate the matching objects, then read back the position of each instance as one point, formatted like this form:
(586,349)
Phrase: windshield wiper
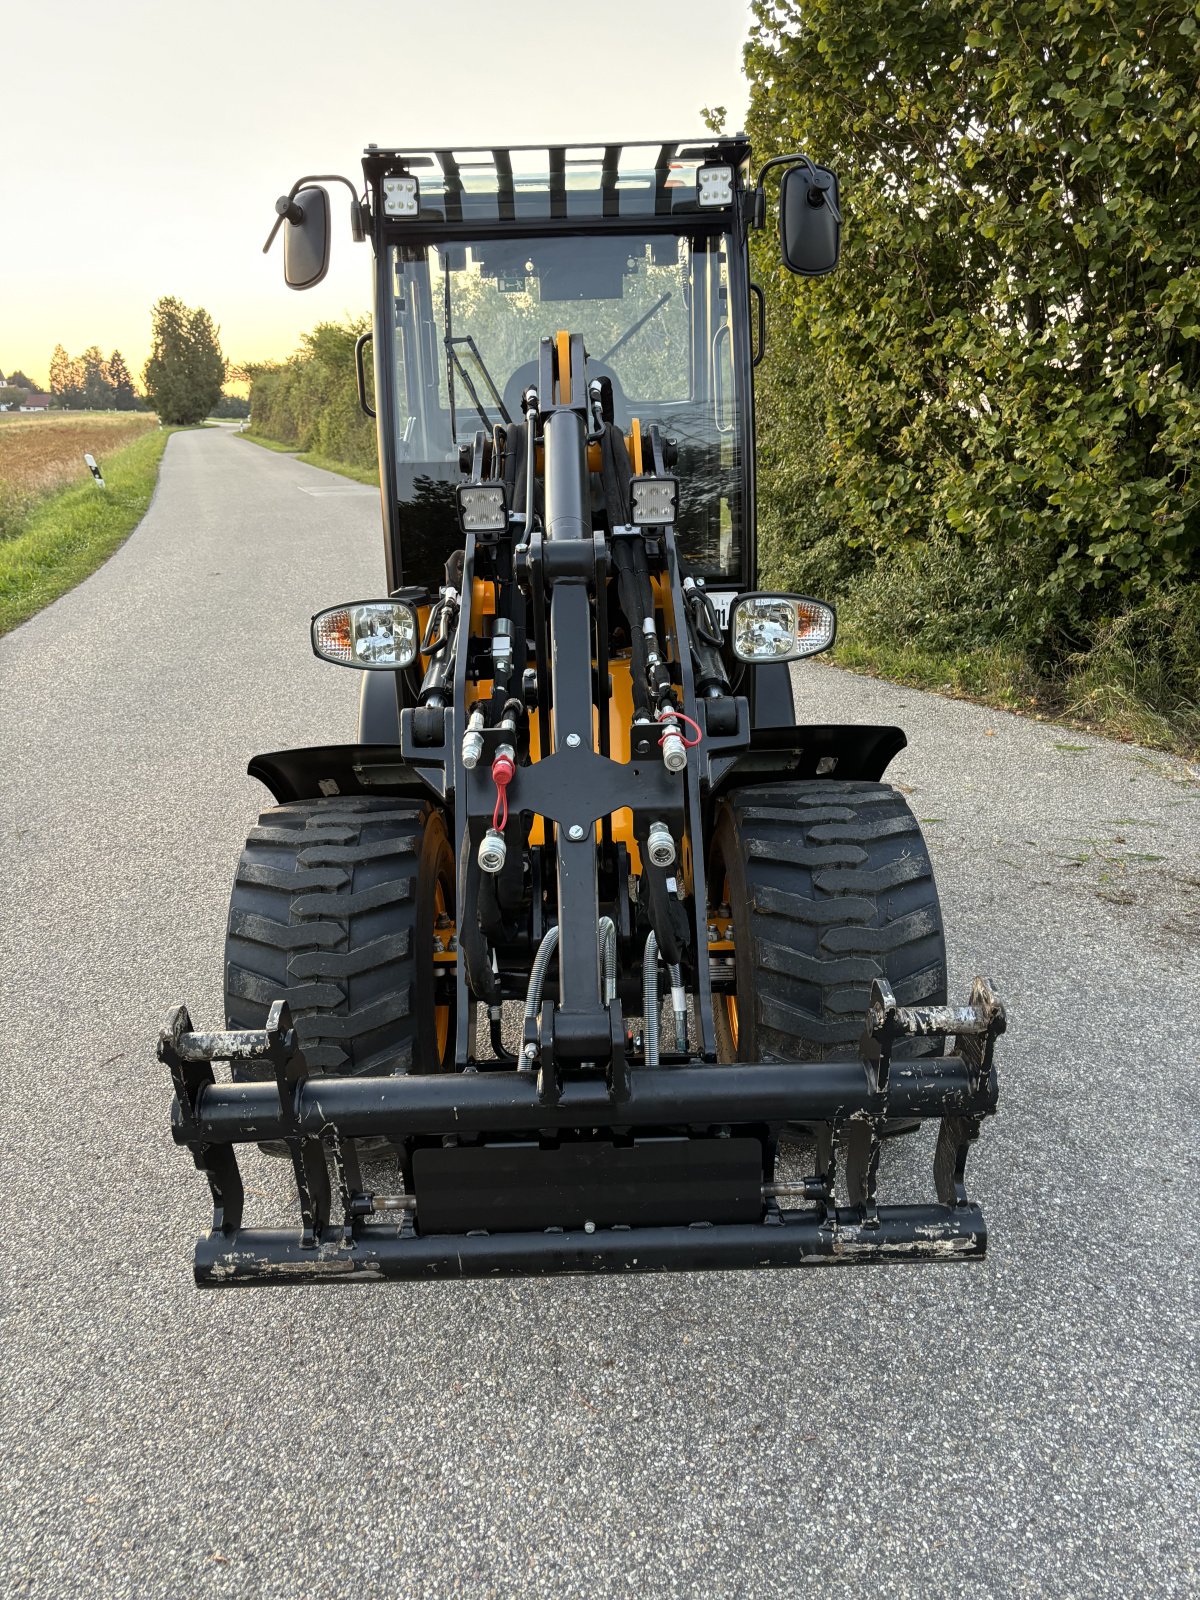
(469,340)
(640,323)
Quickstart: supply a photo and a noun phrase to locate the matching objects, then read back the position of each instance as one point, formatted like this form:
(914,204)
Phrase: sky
(144,144)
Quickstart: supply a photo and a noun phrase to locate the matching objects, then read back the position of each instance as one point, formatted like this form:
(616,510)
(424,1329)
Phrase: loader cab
(641,249)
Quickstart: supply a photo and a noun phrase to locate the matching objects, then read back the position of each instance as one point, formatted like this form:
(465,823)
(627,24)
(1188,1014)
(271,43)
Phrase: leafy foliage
(311,400)
(1000,387)
(185,370)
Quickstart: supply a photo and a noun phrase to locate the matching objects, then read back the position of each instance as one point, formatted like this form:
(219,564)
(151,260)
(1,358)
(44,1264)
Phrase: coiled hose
(537,975)
(608,948)
(650,999)
(679,1005)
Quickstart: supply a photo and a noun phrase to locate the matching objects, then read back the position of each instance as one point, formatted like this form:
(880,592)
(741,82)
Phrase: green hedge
(984,429)
(310,402)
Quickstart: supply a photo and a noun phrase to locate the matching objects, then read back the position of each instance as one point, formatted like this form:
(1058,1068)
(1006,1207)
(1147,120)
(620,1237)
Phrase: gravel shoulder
(1026,1427)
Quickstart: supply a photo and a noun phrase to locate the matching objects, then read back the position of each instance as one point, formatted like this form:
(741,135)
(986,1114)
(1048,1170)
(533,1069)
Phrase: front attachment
(672,1169)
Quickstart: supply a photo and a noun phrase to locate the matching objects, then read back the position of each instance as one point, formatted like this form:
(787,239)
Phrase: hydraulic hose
(537,975)
(679,1006)
(650,999)
(608,947)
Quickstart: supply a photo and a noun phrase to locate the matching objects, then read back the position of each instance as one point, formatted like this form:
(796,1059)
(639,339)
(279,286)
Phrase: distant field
(41,452)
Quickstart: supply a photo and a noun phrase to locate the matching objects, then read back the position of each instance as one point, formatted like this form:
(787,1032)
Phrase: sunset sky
(144,144)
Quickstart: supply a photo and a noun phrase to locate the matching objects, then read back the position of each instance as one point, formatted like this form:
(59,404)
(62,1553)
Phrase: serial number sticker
(722,600)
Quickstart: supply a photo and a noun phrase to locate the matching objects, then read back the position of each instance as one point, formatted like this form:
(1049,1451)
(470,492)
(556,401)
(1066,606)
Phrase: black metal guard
(693,1106)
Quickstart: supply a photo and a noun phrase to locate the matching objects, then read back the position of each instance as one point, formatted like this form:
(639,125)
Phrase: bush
(311,400)
(992,410)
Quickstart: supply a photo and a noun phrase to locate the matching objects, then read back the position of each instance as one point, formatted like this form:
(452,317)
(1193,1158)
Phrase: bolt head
(531,1052)
(575,831)
(573,741)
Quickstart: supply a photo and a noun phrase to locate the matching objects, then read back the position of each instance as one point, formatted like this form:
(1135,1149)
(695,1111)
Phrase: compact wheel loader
(539,973)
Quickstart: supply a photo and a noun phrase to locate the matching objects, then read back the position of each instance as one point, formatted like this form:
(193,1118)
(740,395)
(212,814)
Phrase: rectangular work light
(654,500)
(714,185)
(482,507)
(401,195)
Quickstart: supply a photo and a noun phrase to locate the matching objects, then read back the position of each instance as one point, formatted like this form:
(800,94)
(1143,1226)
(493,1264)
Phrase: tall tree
(66,379)
(118,374)
(185,371)
(97,390)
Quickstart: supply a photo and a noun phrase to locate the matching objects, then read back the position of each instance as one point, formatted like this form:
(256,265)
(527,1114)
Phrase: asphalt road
(1026,1427)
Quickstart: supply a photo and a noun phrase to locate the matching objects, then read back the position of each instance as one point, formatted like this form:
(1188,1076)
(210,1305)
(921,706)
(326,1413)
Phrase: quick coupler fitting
(674,750)
(492,851)
(660,846)
(472,745)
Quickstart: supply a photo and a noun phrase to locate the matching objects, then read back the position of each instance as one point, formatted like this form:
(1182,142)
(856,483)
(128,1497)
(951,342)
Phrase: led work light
(780,627)
(654,500)
(401,195)
(375,635)
(482,507)
(714,185)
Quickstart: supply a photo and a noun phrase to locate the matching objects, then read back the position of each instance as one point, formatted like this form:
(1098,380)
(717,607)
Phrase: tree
(97,390)
(185,371)
(66,379)
(231,405)
(124,395)
(18,380)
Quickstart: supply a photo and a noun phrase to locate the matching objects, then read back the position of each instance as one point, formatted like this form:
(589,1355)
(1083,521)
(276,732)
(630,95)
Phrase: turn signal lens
(780,627)
(379,634)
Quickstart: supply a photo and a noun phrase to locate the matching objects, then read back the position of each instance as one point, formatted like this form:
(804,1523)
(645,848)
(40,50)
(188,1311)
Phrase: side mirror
(809,220)
(306,235)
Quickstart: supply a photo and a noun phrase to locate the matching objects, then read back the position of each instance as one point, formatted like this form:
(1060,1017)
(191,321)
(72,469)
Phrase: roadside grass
(313,459)
(1106,692)
(64,537)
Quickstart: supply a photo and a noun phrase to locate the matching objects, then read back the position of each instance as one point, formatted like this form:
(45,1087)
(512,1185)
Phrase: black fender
(379,709)
(859,751)
(335,769)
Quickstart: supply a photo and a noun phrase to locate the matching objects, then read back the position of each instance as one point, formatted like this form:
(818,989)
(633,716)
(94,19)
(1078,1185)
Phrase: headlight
(371,634)
(780,627)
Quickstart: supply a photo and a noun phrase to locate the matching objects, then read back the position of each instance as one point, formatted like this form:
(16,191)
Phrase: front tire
(333,909)
(828,886)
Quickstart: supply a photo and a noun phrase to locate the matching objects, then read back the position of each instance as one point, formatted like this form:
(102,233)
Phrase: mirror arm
(817,188)
(290,212)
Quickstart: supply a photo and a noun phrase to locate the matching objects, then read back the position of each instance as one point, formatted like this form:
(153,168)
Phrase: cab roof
(530,182)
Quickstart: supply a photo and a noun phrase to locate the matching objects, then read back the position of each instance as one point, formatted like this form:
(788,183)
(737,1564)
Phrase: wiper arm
(640,323)
(469,340)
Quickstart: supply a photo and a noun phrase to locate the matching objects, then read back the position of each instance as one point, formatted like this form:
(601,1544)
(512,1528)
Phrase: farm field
(41,452)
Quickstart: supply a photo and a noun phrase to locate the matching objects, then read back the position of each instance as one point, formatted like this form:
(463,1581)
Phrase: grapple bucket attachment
(512,1172)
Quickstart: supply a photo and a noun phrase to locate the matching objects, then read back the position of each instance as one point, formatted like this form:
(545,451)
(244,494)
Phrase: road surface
(1027,1427)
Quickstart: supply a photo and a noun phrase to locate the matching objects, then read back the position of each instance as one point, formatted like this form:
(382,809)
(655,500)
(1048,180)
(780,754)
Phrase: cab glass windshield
(653,310)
